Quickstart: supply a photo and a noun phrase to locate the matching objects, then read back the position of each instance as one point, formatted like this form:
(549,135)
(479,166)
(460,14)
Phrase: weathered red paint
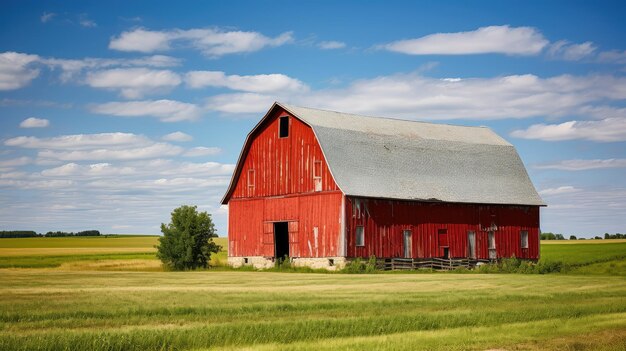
(284,190)
(282,165)
(275,181)
(437,225)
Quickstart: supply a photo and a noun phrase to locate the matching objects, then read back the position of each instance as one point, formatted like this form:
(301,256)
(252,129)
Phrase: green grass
(119,300)
(583,253)
(59,252)
(264,310)
(136,241)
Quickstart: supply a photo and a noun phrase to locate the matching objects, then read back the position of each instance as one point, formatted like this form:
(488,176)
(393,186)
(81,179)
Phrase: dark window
(360,235)
(524,239)
(283,127)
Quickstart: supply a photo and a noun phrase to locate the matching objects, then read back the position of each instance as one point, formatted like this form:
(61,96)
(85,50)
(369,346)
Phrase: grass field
(55,252)
(124,301)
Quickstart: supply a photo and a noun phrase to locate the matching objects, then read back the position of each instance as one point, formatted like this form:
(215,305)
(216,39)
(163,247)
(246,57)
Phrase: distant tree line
(18,234)
(553,236)
(83,233)
(33,234)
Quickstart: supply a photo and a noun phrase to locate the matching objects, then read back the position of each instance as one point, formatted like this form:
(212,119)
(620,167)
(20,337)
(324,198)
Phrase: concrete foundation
(260,262)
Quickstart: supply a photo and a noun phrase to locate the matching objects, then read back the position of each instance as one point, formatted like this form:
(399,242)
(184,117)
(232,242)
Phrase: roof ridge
(287,106)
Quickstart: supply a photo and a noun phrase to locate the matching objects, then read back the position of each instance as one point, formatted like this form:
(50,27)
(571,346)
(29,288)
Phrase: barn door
(268,239)
(471,244)
(294,250)
(491,239)
(408,244)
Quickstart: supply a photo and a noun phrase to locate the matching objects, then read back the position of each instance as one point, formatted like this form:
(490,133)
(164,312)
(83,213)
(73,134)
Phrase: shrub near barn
(187,241)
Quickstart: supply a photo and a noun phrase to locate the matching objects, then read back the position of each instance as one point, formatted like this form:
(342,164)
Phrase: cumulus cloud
(583,165)
(134,82)
(16,70)
(330,45)
(414,96)
(605,130)
(33,122)
(485,40)
(212,42)
(165,110)
(177,136)
(557,191)
(202,151)
(261,83)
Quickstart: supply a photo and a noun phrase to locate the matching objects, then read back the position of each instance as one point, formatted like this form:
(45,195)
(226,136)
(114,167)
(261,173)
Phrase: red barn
(324,187)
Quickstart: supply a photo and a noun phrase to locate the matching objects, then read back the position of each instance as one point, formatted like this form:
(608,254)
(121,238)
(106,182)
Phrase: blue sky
(114,113)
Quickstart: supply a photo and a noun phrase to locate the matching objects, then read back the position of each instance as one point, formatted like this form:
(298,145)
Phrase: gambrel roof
(407,160)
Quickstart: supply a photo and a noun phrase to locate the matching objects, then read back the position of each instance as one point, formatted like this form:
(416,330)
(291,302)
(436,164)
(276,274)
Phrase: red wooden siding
(282,165)
(384,221)
(314,225)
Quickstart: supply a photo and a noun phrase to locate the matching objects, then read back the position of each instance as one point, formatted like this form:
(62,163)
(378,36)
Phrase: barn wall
(385,220)
(314,224)
(282,165)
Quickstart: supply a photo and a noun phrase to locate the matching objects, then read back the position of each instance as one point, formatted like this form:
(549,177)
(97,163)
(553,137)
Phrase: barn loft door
(268,239)
(294,250)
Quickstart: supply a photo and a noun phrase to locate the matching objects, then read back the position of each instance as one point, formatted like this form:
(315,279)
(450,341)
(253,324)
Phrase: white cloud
(582,165)
(134,82)
(413,96)
(484,40)
(605,130)
(202,151)
(591,211)
(20,161)
(47,16)
(16,71)
(261,83)
(33,122)
(240,103)
(72,68)
(80,141)
(177,136)
(565,50)
(212,42)
(558,191)
(84,21)
(165,110)
(613,56)
(330,45)
(151,151)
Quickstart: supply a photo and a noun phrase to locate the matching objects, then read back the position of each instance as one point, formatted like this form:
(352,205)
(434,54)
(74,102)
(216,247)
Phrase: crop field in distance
(112,294)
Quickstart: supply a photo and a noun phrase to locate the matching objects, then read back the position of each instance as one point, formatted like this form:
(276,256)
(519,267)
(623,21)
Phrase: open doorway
(281,240)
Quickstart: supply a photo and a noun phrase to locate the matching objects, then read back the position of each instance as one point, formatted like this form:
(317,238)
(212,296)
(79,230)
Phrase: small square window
(524,239)
(360,235)
(283,127)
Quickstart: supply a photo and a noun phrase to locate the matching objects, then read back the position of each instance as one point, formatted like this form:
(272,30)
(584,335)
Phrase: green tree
(572,237)
(187,241)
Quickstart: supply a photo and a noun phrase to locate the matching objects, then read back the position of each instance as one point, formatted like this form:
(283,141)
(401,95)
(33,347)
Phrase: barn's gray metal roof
(397,159)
